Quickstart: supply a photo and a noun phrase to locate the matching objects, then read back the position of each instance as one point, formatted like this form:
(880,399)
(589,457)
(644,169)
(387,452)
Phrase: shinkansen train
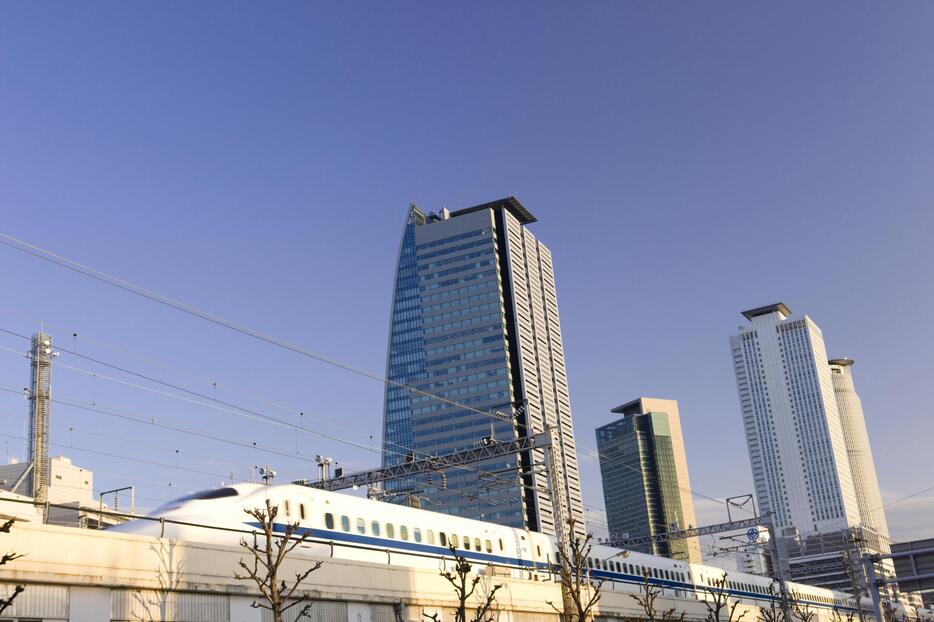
(348,527)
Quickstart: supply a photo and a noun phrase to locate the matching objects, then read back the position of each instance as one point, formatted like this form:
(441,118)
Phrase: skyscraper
(856,438)
(475,330)
(808,446)
(646,488)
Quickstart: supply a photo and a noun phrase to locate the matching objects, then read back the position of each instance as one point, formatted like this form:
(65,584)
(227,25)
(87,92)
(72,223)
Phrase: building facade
(808,445)
(793,431)
(646,487)
(859,452)
(475,331)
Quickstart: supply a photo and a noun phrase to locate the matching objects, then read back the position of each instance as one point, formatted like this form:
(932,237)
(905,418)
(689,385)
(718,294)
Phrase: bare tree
(579,592)
(268,557)
(465,587)
(774,612)
(646,597)
(719,601)
(6,603)
(836,616)
(800,610)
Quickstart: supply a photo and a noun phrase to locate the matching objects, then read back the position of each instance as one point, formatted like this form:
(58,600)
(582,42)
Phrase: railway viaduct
(83,575)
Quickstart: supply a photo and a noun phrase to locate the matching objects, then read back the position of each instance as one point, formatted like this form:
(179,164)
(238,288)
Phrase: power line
(103,277)
(247,412)
(240,410)
(88,271)
(597,455)
(129,458)
(186,452)
(292,410)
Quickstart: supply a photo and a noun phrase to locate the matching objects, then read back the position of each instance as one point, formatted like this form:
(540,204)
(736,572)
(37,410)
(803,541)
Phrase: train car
(344,526)
(348,527)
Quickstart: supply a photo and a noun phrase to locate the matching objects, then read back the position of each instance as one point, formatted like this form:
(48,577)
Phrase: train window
(589,562)
(329,520)
(288,508)
(467,542)
(361,526)
(390,530)
(403,532)
(454,541)
(301,510)
(345,523)
(374,528)
(443,539)
(417,534)
(538,550)
(489,546)
(500,544)
(431,537)
(476,544)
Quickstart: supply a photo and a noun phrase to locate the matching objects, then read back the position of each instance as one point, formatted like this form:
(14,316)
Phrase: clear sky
(686,161)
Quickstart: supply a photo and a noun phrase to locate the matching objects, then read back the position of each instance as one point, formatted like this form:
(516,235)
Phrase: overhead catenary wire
(103,277)
(92,407)
(186,452)
(239,410)
(149,421)
(88,271)
(149,378)
(129,458)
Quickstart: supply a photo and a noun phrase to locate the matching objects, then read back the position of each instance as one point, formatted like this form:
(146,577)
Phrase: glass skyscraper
(646,487)
(475,327)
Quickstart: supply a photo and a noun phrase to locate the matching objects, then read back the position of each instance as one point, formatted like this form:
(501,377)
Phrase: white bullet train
(348,527)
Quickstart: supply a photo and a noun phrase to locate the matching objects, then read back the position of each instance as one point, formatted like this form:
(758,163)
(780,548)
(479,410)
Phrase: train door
(523,554)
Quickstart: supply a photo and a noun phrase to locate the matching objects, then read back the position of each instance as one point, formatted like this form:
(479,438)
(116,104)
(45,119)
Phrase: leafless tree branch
(268,558)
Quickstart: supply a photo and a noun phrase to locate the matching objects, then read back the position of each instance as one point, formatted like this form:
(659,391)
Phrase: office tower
(856,438)
(793,431)
(646,487)
(475,330)
(807,444)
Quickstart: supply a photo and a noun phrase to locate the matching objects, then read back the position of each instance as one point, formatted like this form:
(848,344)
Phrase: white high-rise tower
(868,497)
(808,446)
(794,434)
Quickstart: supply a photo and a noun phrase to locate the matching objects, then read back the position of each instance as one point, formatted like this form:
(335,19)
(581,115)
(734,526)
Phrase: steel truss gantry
(680,534)
(490,449)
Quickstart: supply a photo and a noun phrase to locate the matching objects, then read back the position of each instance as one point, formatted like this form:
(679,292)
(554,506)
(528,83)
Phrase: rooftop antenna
(266,474)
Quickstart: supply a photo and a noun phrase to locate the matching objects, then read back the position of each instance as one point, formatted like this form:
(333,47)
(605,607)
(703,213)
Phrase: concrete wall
(84,575)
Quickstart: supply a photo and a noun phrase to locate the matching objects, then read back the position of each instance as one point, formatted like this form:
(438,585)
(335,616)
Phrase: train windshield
(203,495)
(214,493)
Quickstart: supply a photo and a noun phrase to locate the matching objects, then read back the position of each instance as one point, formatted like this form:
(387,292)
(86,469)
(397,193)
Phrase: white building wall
(793,431)
(89,604)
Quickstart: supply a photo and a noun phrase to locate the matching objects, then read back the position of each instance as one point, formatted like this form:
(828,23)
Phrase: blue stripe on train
(404,546)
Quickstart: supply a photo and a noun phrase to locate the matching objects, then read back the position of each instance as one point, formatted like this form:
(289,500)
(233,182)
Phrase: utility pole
(779,559)
(40,402)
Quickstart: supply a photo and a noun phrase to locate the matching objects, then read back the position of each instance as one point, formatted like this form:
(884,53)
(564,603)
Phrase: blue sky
(686,161)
